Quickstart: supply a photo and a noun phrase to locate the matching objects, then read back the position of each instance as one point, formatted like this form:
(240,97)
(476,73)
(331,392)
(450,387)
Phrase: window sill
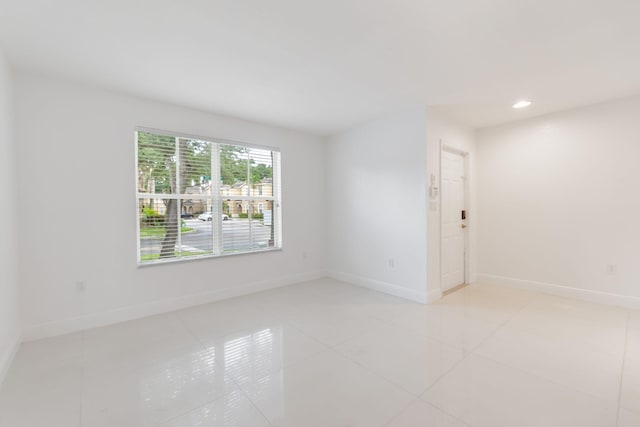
(204,257)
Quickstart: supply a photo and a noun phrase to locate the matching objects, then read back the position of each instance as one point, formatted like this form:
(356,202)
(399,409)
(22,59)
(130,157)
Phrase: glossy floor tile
(421,414)
(580,324)
(262,351)
(591,371)
(630,389)
(324,353)
(328,390)
(231,410)
(43,386)
(150,394)
(633,337)
(627,418)
(453,326)
(419,360)
(483,393)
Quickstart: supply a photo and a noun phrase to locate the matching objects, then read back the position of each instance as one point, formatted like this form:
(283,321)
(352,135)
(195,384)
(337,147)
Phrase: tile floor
(326,354)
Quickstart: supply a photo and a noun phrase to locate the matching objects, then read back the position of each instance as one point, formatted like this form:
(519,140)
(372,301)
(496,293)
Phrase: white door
(453,226)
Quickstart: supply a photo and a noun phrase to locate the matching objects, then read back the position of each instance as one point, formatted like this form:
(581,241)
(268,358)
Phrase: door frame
(467,202)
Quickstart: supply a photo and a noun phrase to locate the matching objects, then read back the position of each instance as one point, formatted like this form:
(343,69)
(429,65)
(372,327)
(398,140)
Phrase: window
(198,197)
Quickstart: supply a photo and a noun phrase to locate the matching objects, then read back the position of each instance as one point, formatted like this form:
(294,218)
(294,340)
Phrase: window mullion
(178,199)
(276,217)
(250,202)
(216,204)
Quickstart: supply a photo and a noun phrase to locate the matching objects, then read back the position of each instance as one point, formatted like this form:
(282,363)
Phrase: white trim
(204,138)
(201,257)
(563,291)
(276,206)
(380,286)
(60,327)
(6,359)
(201,197)
(137,199)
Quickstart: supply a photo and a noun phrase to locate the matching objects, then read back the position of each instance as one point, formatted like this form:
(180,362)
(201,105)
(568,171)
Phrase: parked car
(186,215)
(207,216)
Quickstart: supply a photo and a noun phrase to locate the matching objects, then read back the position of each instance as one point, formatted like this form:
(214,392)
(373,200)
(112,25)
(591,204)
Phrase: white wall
(376,190)
(443,131)
(9,292)
(77,209)
(559,201)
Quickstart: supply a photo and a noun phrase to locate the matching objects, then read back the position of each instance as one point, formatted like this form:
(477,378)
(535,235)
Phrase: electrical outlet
(81,286)
(611,269)
(392,263)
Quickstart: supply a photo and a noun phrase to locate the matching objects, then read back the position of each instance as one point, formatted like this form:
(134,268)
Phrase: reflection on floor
(324,353)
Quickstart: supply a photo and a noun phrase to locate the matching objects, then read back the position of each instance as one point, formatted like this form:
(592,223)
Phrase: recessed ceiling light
(521,104)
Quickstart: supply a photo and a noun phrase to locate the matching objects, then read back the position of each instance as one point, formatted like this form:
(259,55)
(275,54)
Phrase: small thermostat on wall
(433,192)
(433,188)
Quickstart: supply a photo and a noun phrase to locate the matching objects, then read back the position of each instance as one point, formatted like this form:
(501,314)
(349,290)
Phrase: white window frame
(216,198)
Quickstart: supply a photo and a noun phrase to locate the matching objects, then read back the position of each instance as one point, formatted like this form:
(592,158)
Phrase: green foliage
(195,161)
(261,171)
(159,231)
(153,257)
(152,218)
(233,166)
(148,212)
(158,160)
(254,216)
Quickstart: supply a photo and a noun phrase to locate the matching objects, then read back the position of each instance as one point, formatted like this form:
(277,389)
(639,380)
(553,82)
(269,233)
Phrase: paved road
(235,236)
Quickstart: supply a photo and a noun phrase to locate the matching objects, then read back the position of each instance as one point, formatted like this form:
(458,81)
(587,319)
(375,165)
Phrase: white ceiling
(326,65)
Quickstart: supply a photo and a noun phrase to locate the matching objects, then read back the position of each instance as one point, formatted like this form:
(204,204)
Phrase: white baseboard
(61,327)
(563,291)
(380,286)
(9,354)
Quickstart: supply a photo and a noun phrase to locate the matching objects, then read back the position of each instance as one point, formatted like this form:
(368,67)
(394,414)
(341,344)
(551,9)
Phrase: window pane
(158,228)
(156,163)
(262,231)
(236,231)
(197,233)
(233,165)
(195,166)
(261,172)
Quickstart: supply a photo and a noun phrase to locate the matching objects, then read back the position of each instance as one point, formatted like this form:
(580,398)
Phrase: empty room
(319,214)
